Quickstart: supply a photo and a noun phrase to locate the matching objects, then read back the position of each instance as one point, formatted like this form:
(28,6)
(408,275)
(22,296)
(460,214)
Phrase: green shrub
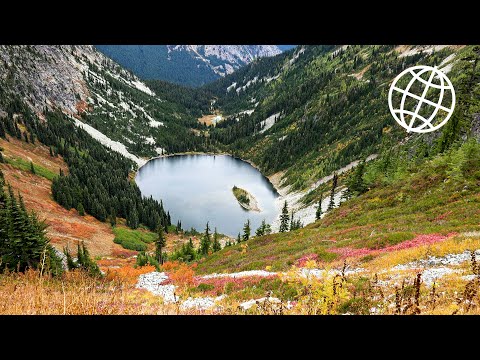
(131,244)
(324,255)
(133,239)
(204,287)
(357,306)
(144,259)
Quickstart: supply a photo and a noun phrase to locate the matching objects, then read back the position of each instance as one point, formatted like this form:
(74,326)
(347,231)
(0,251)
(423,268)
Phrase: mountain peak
(186,64)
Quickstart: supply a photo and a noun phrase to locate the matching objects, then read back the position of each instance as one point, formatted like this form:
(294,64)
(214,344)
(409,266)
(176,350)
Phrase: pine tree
(71,264)
(239,239)
(268,229)
(132,220)
(356,184)
(205,241)
(318,213)
(292,221)
(331,204)
(32,168)
(189,251)
(3,218)
(80,209)
(85,262)
(216,244)
(246,231)
(81,261)
(159,245)
(113,217)
(284,218)
(261,229)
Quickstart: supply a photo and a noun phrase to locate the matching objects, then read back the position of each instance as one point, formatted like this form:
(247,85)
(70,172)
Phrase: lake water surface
(198,188)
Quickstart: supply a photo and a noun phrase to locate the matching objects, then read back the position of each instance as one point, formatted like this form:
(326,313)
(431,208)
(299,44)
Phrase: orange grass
(75,293)
(128,274)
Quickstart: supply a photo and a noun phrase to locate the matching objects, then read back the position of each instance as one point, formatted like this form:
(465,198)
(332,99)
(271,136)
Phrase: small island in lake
(245,199)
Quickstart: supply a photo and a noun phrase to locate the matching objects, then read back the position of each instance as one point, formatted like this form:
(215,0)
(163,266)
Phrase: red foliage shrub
(123,253)
(220,283)
(417,241)
(303,260)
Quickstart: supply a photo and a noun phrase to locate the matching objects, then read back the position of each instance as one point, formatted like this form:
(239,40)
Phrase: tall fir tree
(132,220)
(284,218)
(318,213)
(205,241)
(246,230)
(23,242)
(80,209)
(159,245)
(216,244)
(331,204)
(356,183)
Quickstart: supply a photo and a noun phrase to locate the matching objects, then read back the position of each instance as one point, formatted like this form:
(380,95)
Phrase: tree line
(97,182)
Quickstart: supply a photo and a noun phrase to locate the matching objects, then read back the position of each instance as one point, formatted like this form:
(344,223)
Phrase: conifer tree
(159,245)
(261,229)
(32,168)
(318,213)
(267,229)
(331,204)
(80,209)
(132,220)
(23,243)
(216,244)
(239,239)
(189,252)
(205,241)
(284,218)
(246,230)
(3,218)
(356,184)
(71,264)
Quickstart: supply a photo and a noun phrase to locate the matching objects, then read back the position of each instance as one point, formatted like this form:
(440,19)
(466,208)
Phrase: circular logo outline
(427,122)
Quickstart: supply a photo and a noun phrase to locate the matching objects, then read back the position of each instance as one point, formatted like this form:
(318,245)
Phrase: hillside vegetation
(439,197)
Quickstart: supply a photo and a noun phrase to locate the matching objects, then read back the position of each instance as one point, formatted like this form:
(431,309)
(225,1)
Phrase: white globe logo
(421,99)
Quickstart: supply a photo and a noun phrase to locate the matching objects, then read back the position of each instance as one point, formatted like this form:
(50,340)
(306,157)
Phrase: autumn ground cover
(421,208)
(74,293)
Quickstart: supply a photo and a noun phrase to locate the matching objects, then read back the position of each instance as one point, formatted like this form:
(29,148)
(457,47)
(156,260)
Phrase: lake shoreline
(265,205)
(275,184)
(306,214)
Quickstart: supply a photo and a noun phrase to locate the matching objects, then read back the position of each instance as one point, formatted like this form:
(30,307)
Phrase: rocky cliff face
(231,57)
(49,76)
(111,103)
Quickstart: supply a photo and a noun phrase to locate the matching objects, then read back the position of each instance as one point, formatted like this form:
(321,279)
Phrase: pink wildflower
(417,241)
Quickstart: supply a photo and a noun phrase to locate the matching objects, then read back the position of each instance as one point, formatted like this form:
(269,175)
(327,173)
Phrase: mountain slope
(98,92)
(79,105)
(417,197)
(320,105)
(191,65)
